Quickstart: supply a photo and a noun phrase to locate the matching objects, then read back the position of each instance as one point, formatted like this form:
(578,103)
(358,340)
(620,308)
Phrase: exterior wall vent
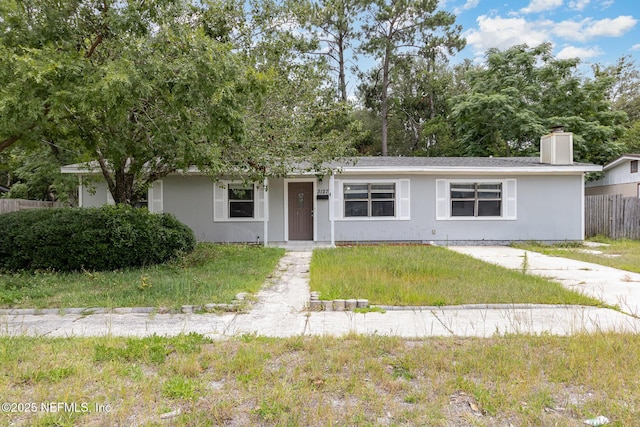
(556,148)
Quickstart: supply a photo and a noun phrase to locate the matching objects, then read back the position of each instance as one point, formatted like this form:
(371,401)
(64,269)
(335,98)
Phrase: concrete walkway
(280,310)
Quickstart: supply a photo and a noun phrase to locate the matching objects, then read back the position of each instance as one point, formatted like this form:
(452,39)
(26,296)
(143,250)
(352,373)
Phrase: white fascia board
(554,170)
(619,161)
(90,168)
(81,169)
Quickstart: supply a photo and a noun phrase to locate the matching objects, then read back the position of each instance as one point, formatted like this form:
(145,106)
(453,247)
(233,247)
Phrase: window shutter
(154,197)
(110,200)
(219,201)
(404,201)
(510,201)
(337,200)
(260,204)
(442,199)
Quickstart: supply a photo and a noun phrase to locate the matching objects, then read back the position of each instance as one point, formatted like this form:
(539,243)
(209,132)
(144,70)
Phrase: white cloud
(579,52)
(502,33)
(635,47)
(604,4)
(541,6)
(579,4)
(588,28)
(612,27)
(470,4)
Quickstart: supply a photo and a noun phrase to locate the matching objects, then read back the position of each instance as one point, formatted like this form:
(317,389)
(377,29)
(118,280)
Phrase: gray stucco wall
(94,194)
(549,208)
(190,199)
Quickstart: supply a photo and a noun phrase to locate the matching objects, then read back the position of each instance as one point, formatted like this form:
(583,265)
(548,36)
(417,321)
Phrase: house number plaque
(322,194)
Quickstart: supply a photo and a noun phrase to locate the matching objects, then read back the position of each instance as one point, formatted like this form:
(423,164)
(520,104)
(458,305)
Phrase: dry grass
(211,274)
(321,381)
(427,275)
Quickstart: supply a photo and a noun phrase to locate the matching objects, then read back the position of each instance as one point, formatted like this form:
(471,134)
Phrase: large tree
(148,88)
(333,24)
(394,30)
(625,92)
(298,117)
(521,92)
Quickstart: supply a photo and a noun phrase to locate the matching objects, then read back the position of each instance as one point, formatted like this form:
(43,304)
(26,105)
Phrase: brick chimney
(556,148)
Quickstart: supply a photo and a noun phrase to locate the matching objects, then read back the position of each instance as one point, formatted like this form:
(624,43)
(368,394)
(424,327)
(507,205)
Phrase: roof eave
(84,169)
(620,160)
(459,170)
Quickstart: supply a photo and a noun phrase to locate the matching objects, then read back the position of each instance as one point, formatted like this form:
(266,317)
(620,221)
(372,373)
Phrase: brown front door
(300,211)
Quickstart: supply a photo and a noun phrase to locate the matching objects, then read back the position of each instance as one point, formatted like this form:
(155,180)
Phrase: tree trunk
(342,82)
(385,102)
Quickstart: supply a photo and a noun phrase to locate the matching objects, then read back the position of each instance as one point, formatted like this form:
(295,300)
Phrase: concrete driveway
(614,287)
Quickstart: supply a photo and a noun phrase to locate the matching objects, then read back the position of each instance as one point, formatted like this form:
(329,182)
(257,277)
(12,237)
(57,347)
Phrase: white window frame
(221,202)
(509,199)
(402,208)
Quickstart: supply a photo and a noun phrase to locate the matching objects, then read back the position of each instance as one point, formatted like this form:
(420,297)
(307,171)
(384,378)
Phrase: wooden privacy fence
(12,205)
(613,216)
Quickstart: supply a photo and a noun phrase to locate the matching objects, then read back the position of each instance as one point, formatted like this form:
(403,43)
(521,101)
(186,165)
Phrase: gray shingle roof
(451,162)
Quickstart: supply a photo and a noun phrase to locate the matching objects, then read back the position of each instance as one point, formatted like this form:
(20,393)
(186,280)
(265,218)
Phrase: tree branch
(94,45)
(100,37)
(9,142)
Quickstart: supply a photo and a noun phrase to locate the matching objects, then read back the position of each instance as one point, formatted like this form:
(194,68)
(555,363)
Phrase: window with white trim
(459,199)
(238,201)
(369,200)
(476,199)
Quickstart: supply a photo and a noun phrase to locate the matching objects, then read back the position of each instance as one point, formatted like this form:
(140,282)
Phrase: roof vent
(556,148)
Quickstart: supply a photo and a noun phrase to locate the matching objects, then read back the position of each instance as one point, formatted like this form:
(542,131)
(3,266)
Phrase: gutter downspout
(332,211)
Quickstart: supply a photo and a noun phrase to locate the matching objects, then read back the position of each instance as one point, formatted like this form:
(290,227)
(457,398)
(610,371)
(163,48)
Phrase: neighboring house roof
(621,159)
(4,189)
(420,165)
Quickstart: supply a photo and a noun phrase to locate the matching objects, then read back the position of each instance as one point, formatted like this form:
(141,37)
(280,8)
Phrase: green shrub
(107,238)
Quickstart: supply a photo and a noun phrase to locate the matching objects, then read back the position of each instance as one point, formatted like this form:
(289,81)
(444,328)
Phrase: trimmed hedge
(94,239)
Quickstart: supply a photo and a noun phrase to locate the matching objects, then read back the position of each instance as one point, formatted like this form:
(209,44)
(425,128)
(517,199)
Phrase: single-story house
(621,176)
(391,199)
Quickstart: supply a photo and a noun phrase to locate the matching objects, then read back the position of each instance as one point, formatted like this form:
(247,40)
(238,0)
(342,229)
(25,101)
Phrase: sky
(596,31)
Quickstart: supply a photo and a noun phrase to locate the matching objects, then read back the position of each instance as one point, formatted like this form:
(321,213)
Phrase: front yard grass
(189,380)
(427,275)
(623,253)
(210,274)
